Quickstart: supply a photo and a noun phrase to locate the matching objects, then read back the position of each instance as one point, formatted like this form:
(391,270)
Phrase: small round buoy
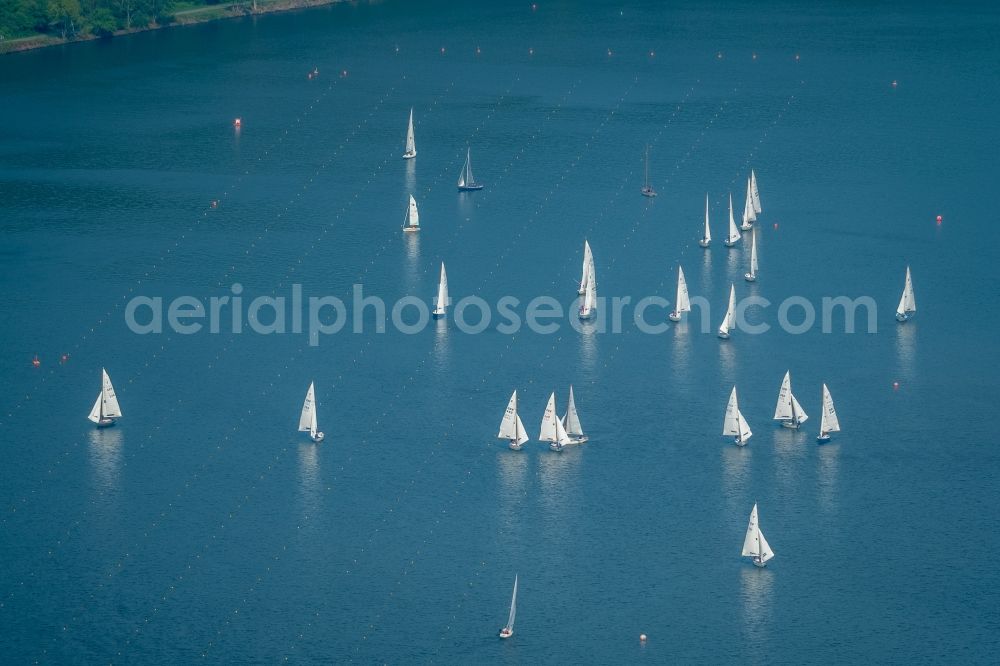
(478,50)
(35,362)
(753,56)
(64,358)
(894,84)
(652,54)
(796,56)
(609,52)
(775,225)
(237,122)
(531,51)
(442,49)
(343,73)
(939,219)
(895,385)
(642,637)
(534,6)
(719,55)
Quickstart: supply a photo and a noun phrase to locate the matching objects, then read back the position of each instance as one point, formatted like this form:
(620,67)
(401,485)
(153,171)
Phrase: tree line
(71,19)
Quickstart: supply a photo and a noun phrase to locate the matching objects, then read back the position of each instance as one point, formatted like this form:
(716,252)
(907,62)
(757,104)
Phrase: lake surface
(205,528)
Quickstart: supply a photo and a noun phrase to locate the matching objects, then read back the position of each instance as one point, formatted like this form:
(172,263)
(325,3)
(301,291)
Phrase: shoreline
(182,18)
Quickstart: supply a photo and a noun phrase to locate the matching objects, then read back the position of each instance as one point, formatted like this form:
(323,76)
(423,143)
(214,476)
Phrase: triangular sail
(513,607)
(647,168)
(412,214)
(729,322)
(548,430)
(683,301)
(751,544)
(110,408)
(466,178)
(744,427)
(754,193)
(561,436)
(798,414)
(828,421)
(764,548)
(783,410)
(734,232)
(731,426)
(588,261)
(590,296)
(522,434)
(307,419)
(907,303)
(749,214)
(708,232)
(95,412)
(572,420)
(411,145)
(753,252)
(442,297)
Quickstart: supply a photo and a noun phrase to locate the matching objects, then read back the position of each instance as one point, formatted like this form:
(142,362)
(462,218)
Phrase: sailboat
(752,275)
(571,421)
(683,303)
(588,263)
(788,409)
(828,421)
(749,214)
(466,181)
(755,546)
(411,145)
(735,425)
(734,233)
(441,305)
(106,409)
(707,238)
(508,629)
(553,430)
(307,419)
(511,428)
(411,222)
(907,306)
(590,296)
(647,189)
(754,194)
(729,321)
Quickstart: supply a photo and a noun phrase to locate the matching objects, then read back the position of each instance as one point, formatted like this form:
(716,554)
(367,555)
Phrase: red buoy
(35,362)
(939,219)
(237,123)
(775,225)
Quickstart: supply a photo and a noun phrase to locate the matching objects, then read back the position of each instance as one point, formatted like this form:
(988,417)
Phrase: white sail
(731,426)
(411,145)
(109,408)
(511,428)
(466,179)
(412,214)
(95,412)
(590,297)
(442,298)
(548,430)
(572,419)
(744,427)
(708,232)
(729,322)
(754,193)
(513,607)
(828,421)
(783,410)
(751,543)
(588,262)
(734,232)
(765,548)
(798,414)
(907,304)
(749,214)
(683,301)
(561,436)
(307,418)
(753,253)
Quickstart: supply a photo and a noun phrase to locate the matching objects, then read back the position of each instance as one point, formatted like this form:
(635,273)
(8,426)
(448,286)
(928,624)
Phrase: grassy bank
(178,13)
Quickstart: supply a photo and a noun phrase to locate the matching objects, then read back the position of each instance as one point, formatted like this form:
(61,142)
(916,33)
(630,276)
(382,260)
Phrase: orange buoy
(35,362)
(237,123)
(939,219)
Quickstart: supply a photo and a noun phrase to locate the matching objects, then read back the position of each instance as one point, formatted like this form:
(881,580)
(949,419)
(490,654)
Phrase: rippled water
(205,527)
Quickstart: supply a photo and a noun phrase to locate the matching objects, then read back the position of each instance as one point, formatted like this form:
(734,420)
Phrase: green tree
(64,15)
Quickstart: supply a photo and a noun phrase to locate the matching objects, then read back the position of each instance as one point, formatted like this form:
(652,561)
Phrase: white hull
(318,437)
(673,316)
(791,425)
(578,440)
(556,446)
(588,315)
(750,277)
(746,227)
(409,156)
(822,438)
(723,336)
(704,243)
(729,243)
(106,423)
(506,633)
(648,192)
(438,314)
(757,563)
(411,228)
(514,446)
(902,318)
(739,442)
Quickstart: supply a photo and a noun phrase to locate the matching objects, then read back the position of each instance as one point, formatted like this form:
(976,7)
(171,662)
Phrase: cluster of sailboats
(788,412)
(558,432)
(751,209)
